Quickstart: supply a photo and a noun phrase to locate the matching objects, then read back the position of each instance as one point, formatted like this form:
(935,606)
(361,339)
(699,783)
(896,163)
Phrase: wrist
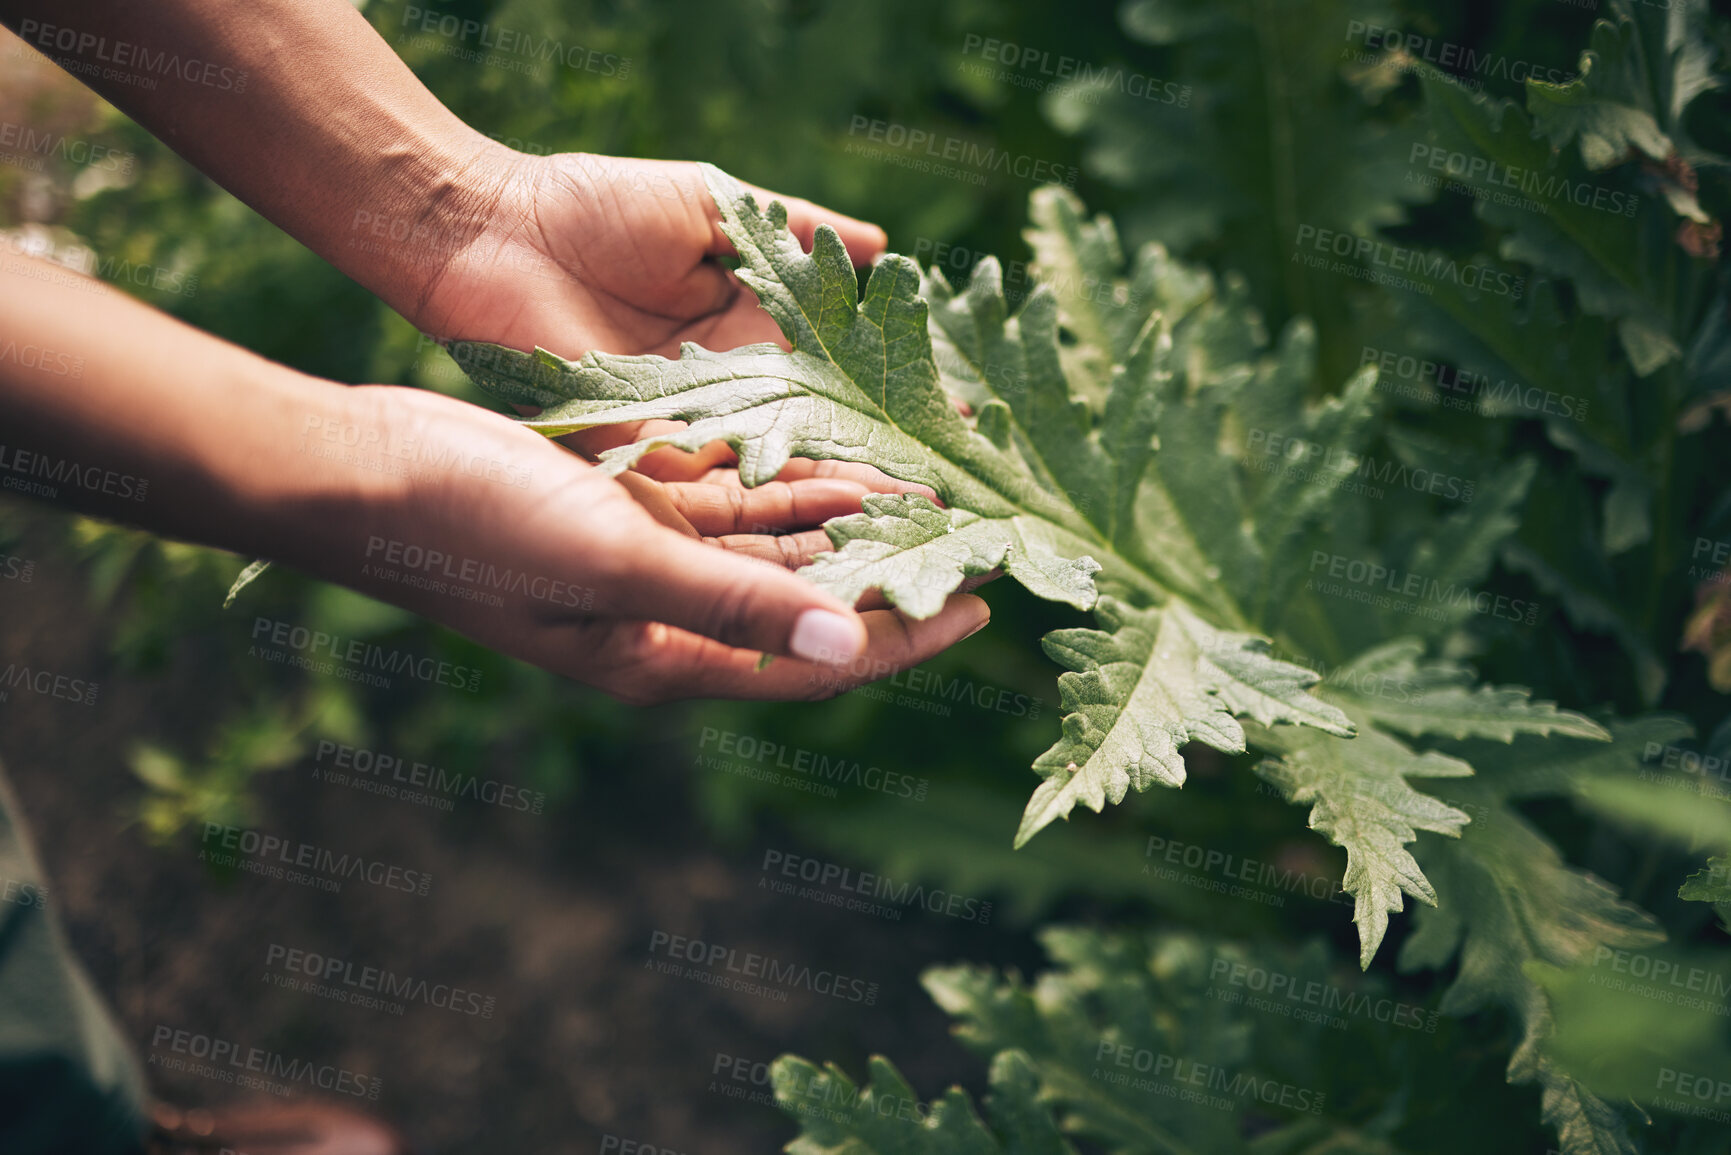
(334,469)
(436,212)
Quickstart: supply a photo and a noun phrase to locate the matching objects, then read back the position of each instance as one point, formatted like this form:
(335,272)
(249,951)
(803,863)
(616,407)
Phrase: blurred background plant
(1290,119)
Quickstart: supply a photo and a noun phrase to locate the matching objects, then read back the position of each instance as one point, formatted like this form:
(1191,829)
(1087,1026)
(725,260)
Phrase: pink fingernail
(826,636)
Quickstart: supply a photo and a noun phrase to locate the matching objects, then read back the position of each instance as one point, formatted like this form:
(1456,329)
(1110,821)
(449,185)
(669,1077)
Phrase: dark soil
(551,915)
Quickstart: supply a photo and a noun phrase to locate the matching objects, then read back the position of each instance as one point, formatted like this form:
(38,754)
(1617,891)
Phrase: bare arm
(113,408)
(299,109)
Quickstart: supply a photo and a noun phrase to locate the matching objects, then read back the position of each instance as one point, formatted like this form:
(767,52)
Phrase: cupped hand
(585,252)
(650,591)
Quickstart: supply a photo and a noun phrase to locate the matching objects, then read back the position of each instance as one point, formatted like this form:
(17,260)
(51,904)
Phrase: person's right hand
(666,590)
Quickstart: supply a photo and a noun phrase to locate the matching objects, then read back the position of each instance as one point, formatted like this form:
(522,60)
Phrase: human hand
(584,252)
(587,252)
(648,591)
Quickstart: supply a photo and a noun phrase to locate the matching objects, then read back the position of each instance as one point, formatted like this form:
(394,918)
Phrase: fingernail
(826,636)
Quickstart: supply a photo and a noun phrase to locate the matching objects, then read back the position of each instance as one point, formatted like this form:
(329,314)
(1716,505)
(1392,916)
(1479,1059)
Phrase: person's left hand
(582,252)
(586,252)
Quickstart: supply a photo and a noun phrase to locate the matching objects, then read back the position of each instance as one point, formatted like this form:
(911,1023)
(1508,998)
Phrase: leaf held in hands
(918,553)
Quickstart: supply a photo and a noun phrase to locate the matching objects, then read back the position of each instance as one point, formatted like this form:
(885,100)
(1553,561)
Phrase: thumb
(736,600)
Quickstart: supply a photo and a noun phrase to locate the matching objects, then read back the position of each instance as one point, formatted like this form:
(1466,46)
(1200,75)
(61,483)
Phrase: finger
(969,585)
(731,598)
(863,239)
(790,551)
(727,506)
(670,663)
(654,498)
(670,464)
(869,476)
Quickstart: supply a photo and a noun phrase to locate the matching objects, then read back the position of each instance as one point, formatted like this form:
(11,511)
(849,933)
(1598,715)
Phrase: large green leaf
(1034,481)
(1149,684)
(1139,454)
(1359,790)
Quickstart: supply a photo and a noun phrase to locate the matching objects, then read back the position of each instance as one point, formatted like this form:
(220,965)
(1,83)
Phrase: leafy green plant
(1098,448)
(1134,1044)
(1590,516)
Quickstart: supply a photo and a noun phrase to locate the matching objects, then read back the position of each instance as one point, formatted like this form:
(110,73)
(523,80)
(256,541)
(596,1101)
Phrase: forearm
(112,408)
(299,109)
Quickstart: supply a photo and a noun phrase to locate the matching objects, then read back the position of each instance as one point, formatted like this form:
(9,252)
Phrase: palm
(614,254)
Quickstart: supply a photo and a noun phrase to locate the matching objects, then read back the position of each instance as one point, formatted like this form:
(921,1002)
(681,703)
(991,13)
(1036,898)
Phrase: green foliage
(1132,1044)
(1137,423)
(1588,412)
(1161,674)
(1033,453)
(1283,128)
(1712,883)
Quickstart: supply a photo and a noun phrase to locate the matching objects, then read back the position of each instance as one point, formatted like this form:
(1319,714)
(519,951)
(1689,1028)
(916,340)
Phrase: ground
(551,916)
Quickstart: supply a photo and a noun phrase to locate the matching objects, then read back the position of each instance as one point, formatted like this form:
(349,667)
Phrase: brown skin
(329,135)
(675,600)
